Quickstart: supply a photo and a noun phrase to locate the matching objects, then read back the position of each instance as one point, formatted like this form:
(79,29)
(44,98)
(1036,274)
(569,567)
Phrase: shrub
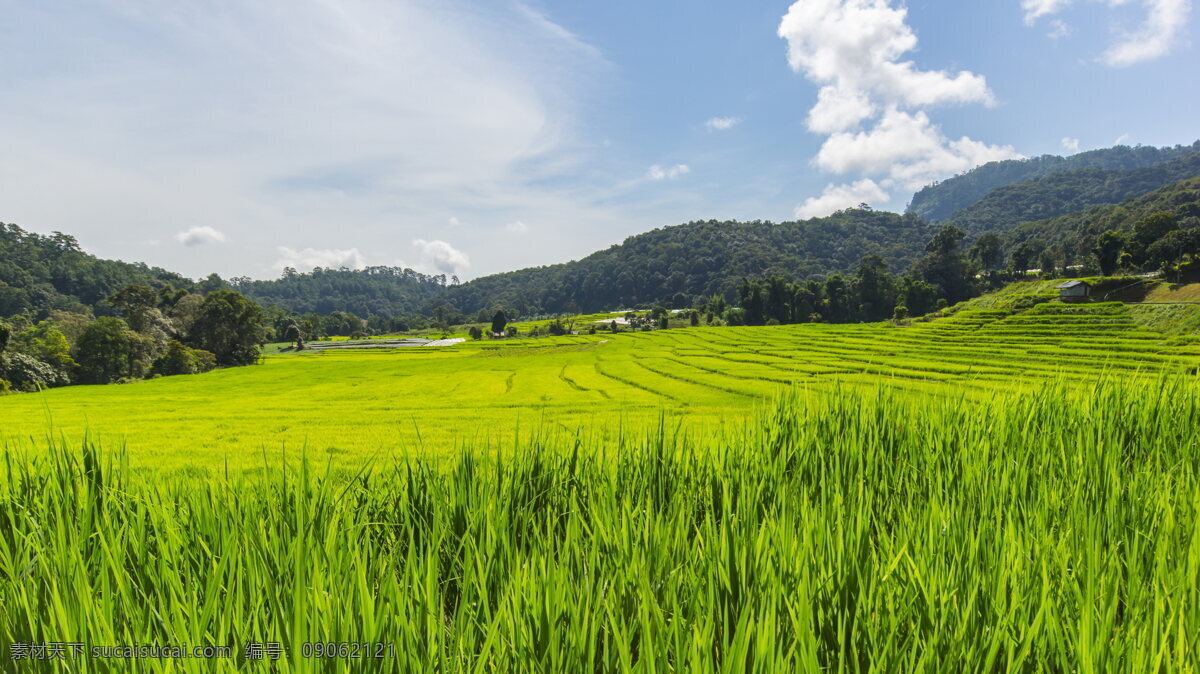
(475,332)
(180,359)
(26,373)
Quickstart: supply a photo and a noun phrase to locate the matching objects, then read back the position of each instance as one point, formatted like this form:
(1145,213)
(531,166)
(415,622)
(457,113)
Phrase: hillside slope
(1077,231)
(676,264)
(1068,192)
(941,200)
(41,273)
(383,291)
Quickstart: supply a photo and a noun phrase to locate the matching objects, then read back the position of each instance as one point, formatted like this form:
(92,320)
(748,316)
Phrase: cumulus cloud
(328,258)
(198,236)
(855,46)
(1071,145)
(441,256)
(837,197)
(517,227)
(1155,37)
(453,221)
(722,123)
(657,172)
(871,102)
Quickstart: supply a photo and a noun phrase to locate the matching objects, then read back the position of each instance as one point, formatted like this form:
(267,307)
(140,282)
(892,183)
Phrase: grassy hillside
(941,200)
(1053,529)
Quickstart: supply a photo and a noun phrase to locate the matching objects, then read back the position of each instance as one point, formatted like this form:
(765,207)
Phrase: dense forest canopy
(384,291)
(1075,235)
(40,273)
(675,265)
(941,200)
(1068,192)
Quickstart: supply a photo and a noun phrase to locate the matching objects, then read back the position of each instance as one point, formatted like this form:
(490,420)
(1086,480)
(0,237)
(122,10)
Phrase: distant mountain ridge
(1067,192)
(941,200)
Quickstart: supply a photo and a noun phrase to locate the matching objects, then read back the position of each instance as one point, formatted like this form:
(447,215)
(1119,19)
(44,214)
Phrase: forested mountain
(42,273)
(1068,192)
(1076,234)
(677,264)
(383,291)
(941,200)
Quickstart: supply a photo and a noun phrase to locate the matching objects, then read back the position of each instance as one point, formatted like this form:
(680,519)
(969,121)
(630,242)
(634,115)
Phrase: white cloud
(441,256)
(517,227)
(1122,139)
(1058,29)
(198,236)
(1155,37)
(299,120)
(1071,145)
(856,45)
(839,109)
(1164,22)
(1035,9)
(657,172)
(837,197)
(906,148)
(453,221)
(327,258)
(722,123)
(853,50)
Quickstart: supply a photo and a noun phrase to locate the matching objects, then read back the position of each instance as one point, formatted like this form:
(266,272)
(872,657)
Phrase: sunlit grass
(1053,529)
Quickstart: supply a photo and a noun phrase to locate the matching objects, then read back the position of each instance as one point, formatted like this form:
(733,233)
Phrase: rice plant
(1051,530)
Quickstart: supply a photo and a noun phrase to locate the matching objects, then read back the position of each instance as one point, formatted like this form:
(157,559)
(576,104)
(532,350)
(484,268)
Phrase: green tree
(1148,230)
(1108,251)
(499,321)
(475,332)
(987,252)
(230,327)
(179,359)
(5,335)
(944,267)
(109,350)
(135,302)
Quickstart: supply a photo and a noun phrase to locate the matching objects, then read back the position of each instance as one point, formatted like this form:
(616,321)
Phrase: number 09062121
(348,649)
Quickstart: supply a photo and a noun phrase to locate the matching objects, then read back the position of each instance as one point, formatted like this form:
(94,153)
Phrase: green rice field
(349,406)
(1052,529)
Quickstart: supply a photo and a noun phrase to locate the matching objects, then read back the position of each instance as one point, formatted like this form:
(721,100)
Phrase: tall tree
(499,320)
(229,326)
(1108,251)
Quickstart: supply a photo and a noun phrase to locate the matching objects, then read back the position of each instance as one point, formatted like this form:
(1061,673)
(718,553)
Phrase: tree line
(158,332)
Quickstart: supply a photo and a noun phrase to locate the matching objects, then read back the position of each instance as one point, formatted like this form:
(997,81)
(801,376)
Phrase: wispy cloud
(657,172)
(326,258)
(301,119)
(516,227)
(1071,145)
(722,123)
(1157,35)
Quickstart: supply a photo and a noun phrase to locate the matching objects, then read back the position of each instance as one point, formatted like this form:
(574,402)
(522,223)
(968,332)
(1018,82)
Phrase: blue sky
(469,138)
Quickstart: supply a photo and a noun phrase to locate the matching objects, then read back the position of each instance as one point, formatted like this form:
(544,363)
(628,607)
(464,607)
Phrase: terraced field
(352,405)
